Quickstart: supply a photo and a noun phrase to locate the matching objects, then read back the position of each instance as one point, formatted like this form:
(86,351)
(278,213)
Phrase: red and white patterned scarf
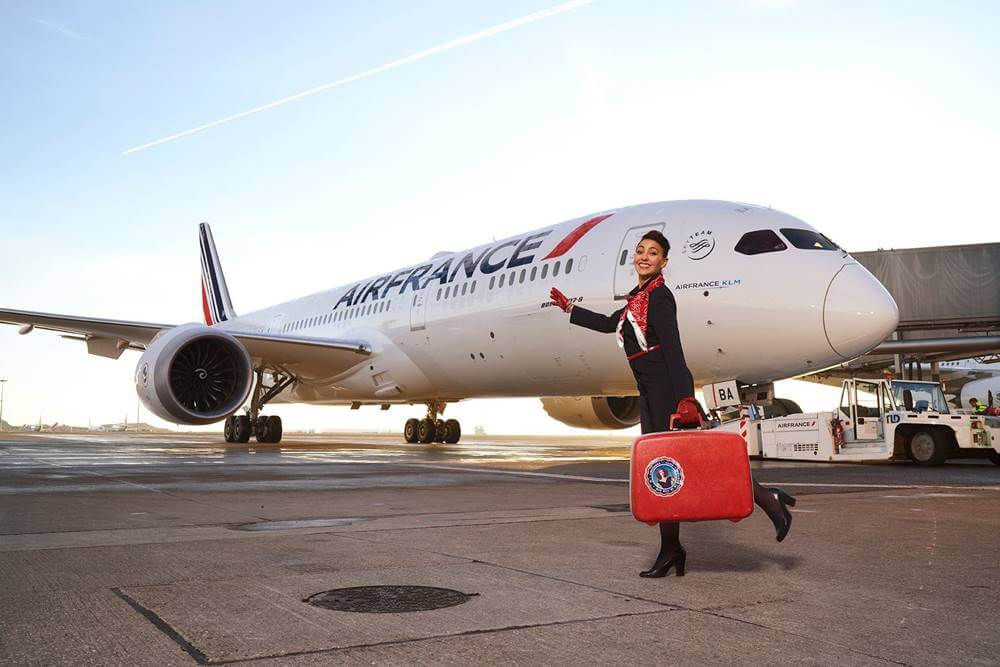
(636,311)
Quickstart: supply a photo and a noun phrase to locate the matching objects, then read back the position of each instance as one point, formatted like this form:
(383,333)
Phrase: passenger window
(524,272)
(555,270)
(439,294)
(502,279)
(807,239)
(569,265)
(472,290)
(493,280)
(545,271)
(621,262)
(760,241)
(510,279)
(465,286)
(534,271)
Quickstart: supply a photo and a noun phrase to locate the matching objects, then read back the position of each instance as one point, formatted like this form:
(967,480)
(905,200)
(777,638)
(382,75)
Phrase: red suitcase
(690,476)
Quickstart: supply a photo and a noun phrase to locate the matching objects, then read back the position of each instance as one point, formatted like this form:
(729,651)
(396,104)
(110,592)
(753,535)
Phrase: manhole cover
(388,599)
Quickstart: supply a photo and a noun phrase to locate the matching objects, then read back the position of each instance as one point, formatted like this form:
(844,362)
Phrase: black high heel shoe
(677,560)
(785,501)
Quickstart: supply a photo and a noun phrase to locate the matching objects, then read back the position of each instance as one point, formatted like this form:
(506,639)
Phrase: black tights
(670,531)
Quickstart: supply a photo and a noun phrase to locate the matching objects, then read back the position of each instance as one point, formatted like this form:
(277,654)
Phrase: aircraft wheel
(425,431)
(263,429)
(928,448)
(241,428)
(452,431)
(274,429)
(439,430)
(781,407)
(410,430)
(228,429)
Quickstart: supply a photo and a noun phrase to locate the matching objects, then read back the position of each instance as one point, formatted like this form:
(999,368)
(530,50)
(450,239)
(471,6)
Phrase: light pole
(2,383)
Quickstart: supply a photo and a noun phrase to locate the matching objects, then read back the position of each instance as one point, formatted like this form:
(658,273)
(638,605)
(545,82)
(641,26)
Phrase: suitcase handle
(687,414)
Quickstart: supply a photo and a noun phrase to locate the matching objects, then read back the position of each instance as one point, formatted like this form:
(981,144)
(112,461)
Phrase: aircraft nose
(859,313)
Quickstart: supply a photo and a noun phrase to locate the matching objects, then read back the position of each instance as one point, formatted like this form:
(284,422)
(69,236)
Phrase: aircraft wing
(106,338)
(301,356)
(109,338)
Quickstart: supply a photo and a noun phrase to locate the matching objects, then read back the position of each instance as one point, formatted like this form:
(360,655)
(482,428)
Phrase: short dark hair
(654,235)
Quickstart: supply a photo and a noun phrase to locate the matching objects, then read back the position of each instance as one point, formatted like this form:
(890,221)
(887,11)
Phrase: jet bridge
(949,306)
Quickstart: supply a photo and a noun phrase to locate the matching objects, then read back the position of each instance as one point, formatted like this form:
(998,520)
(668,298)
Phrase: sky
(878,123)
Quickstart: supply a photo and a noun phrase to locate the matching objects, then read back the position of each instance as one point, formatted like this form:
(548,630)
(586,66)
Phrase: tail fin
(214,294)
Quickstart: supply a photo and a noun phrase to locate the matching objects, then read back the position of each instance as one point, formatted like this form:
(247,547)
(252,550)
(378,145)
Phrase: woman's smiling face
(649,259)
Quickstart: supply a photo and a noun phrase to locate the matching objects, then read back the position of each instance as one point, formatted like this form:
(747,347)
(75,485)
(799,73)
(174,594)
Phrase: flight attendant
(646,329)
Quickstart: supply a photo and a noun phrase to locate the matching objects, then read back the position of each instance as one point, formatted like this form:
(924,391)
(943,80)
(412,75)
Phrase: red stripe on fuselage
(204,305)
(563,246)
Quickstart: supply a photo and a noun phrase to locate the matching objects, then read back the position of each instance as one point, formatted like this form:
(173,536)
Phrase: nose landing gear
(431,428)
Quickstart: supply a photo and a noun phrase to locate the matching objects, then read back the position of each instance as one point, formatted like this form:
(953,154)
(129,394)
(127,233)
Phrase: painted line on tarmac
(607,480)
(517,473)
(886,486)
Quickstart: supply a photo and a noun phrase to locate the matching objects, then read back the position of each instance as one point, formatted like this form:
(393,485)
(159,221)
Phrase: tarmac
(128,549)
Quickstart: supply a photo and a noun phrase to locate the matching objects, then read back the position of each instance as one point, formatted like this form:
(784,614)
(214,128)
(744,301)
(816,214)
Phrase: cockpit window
(807,239)
(760,241)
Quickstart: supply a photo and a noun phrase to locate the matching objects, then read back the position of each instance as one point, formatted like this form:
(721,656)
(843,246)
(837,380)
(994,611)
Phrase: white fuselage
(478,323)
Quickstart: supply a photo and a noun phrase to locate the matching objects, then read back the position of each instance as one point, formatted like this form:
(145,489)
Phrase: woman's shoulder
(661,293)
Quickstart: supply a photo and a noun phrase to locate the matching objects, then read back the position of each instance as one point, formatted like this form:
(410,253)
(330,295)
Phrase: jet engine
(194,374)
(986,390)
(602,412)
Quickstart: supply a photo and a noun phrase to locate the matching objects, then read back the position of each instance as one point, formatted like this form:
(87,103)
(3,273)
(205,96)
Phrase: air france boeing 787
(760,295)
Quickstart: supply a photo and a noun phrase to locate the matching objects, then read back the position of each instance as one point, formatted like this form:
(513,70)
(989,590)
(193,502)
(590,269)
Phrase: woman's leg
(657,404)
(773,502)
(671,554)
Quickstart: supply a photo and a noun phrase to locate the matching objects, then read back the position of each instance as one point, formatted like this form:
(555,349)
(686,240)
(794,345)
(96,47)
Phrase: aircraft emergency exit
(761,296)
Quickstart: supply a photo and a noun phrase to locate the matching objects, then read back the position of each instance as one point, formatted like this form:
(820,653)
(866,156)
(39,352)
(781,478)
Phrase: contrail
(420,55)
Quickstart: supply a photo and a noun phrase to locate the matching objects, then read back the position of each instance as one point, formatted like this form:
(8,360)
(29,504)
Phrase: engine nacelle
(986,390)
(194,374)
(602,412)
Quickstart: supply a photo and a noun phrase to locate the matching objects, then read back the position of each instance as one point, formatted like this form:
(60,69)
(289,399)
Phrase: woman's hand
(689,410)
(560,300)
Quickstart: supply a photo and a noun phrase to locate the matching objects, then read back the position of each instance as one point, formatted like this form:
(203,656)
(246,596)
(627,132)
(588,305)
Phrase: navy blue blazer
(661,329)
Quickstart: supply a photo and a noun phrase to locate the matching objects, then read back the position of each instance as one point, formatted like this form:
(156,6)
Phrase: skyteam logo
(699,245)
(664,476)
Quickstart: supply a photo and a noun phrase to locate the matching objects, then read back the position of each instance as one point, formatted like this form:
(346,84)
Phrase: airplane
(761,295)
(962,379)
(977,378)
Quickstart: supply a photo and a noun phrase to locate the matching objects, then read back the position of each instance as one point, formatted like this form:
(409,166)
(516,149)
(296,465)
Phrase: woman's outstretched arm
(586,318)
(596,321)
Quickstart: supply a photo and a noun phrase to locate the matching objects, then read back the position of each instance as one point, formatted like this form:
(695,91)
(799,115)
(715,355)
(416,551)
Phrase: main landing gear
(268,429)
(431,428)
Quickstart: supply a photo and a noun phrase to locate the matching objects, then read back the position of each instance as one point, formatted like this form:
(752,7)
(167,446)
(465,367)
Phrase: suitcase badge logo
(664,476)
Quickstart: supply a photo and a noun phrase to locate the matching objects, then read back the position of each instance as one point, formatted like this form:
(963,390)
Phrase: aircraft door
(418,310)
(625,278)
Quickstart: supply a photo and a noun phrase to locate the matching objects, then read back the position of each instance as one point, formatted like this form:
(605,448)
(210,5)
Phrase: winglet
(215,301)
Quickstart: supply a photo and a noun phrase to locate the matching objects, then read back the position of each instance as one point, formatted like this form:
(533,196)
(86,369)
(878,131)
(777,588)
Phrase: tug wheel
(928,448)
